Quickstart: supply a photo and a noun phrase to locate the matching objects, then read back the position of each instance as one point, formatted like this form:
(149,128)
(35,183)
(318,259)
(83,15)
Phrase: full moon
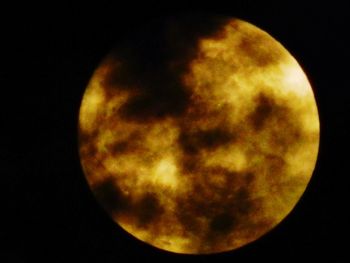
(198,135)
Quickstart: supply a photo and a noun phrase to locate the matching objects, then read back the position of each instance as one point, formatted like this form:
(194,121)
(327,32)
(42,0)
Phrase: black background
(49,55)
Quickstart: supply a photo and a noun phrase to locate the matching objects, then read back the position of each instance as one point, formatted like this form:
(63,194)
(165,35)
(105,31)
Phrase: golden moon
(199,141)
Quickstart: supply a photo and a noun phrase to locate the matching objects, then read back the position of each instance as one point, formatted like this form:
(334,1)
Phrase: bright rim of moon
(212,162)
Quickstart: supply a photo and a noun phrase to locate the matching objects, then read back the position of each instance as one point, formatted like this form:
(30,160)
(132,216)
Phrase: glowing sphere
(199,141)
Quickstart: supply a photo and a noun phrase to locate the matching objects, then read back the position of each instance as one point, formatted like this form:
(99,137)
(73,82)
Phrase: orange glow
(246,144)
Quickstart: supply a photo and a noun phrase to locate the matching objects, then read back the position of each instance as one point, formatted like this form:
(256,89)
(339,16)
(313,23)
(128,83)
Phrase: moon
(198,135)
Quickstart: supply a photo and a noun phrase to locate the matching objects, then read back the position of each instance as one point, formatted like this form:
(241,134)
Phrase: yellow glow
(91,105)
(164,173)
(294,79)
(246,90)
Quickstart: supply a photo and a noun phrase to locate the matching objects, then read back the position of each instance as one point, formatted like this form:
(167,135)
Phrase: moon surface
(198,136)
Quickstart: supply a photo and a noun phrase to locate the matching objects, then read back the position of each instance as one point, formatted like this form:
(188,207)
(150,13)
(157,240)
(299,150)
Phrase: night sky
(51,214)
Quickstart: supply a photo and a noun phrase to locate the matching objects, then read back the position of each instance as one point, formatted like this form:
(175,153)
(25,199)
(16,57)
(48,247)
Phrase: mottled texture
(198,134)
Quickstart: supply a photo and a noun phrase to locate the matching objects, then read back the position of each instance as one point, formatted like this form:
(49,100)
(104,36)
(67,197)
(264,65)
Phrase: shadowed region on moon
(152,67)
(198,134)
(111,196)
(208,139)
(265,108)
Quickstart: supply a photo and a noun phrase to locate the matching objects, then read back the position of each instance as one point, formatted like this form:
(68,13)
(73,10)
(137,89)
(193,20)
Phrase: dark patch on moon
(187,218)
(276,164)
(119,147)
(279,119)
(192,142)
(156,104)
(222,208)
(88,141)
(153,67)
(222,223)
(234,214)
(265,107)
(254,47)
(241,203)
(111,197)
(147,209)
(130,144)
